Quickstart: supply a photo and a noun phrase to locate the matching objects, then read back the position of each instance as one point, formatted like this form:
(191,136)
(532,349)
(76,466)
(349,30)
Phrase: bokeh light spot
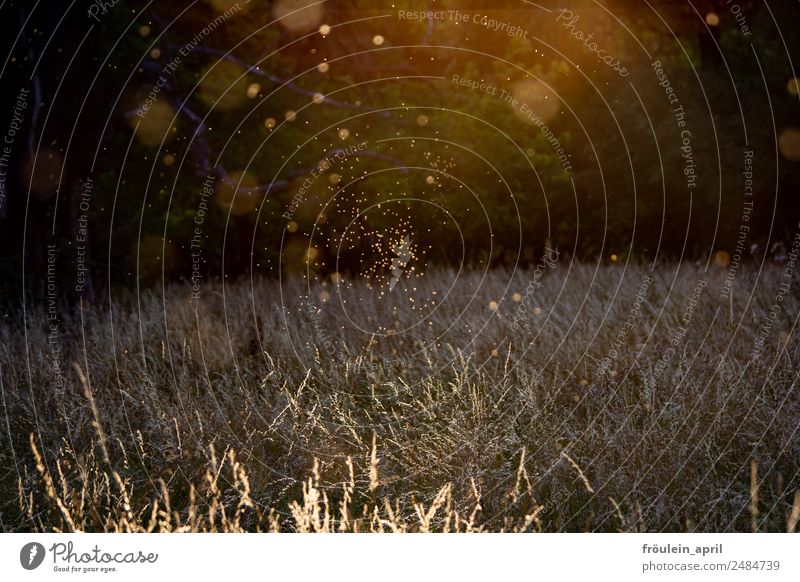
(789,144)
(253,89)
(155,125)
(722,258)
(298,15)
(535,101)
(238,193)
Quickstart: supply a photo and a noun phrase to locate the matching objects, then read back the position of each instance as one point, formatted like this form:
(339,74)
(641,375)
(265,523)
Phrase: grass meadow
(578,398)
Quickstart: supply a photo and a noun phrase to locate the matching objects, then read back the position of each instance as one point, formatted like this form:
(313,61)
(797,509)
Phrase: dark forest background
(217,115)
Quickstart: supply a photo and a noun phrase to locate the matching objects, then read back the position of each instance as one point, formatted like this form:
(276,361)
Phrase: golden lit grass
(482,429)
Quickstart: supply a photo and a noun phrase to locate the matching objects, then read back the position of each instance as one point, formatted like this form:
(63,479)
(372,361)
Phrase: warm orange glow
(535,101)
(238,194)
(253,89)
(298,15)
(789,144)
(45,175)
(722,258)
(155,125)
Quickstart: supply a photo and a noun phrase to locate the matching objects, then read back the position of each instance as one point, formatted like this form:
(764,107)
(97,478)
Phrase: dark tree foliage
(244,106)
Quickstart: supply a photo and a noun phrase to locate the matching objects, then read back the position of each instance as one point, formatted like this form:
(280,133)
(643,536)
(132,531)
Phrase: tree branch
(257,71)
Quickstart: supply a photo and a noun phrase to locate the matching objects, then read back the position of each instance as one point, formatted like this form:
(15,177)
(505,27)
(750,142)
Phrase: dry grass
(239,412)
